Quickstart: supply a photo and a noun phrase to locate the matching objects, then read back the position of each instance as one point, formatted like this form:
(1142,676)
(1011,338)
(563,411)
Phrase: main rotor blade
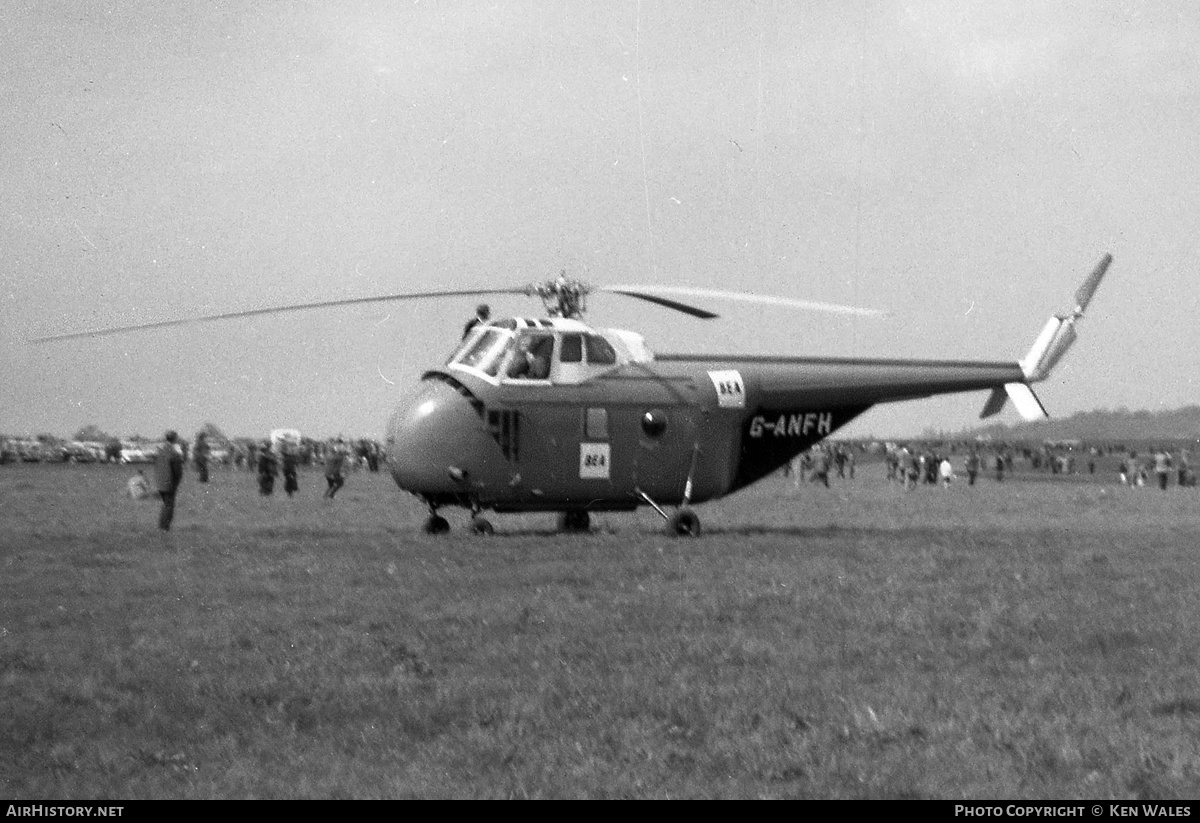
(652,293)
(324,304)
(661,301)
(1084,295)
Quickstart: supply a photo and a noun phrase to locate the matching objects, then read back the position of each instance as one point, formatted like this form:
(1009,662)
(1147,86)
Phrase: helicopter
(552,414)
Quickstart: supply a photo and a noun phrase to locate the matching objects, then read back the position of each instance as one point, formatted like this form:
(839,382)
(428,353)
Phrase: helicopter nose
(436,438)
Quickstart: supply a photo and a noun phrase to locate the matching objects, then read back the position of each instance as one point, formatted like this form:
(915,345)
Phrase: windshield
(531,354)
(486,352)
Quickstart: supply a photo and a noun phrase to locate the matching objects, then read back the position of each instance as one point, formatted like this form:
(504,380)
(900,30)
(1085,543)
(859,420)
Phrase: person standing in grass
(168,474)
(1162,467)
(972,467)
(291,483)
(200,454)
(945,472)
(910,467)
(335,466)
(824,462)
(268,469)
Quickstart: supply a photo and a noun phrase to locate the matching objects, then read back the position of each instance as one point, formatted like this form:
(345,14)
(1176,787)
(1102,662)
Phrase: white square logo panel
(594,460)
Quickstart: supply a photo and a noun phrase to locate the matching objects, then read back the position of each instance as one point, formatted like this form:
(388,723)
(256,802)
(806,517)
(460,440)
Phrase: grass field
(1024,639)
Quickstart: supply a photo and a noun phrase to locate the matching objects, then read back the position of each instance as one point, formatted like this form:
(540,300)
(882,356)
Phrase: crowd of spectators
(940,462)
(237,453)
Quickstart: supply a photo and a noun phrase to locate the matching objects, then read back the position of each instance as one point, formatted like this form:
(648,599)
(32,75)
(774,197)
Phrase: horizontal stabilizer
(995,403)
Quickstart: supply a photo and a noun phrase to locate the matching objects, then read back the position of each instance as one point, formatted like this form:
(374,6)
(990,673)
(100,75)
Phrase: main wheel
(684,523)
(436,524)
(574,522)
(480,525)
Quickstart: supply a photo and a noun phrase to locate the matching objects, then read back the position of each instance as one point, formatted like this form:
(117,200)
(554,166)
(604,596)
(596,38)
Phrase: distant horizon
(839,435)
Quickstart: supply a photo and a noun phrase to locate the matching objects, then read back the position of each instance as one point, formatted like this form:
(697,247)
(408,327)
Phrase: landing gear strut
(479,524)
(683,523)
(574,522)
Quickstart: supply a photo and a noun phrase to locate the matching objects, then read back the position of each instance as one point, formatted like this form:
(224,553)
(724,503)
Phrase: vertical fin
(1059,332)
(1026,401)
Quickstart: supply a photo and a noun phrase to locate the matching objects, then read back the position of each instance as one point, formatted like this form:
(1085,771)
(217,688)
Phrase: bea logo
(731,391)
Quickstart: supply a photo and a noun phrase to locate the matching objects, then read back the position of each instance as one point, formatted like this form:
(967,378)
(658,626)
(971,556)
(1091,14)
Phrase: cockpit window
(528,353)
(571,348)
(486,352)
(599,352)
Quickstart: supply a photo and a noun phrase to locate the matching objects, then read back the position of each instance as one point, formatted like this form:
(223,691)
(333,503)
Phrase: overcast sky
(963,165)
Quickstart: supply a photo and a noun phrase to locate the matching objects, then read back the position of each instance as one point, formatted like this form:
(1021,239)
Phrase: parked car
(138,452)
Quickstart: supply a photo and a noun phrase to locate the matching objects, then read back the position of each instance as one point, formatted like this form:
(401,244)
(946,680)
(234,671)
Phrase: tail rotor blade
(1084,295)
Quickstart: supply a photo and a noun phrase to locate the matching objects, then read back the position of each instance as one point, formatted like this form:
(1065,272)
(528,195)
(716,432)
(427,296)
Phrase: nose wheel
(683,523)
(481,525)
(436,524)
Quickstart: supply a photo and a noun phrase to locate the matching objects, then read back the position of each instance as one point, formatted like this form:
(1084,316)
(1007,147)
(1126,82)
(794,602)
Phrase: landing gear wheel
(480,525)
(436,524)
(684,523)
(574,522)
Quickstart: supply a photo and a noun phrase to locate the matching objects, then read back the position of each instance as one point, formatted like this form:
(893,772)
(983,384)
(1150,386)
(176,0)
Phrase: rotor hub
(563,296)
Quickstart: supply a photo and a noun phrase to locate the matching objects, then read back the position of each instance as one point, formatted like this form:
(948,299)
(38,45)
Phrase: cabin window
(595,424)
(571,348)
(599,352)
(531,360)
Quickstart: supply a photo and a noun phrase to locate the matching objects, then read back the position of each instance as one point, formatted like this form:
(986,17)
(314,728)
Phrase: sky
(962,165)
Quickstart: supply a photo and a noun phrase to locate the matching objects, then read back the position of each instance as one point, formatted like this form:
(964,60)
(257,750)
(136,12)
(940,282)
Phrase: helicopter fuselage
(612,436)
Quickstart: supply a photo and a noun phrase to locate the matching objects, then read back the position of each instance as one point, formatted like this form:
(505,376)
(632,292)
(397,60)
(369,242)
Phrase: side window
(542,350)
(595,424)
(531,358)
(599,352)
(571,348)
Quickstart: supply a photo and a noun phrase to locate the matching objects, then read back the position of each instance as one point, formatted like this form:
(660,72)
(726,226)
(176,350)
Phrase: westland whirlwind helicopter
(551,414)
